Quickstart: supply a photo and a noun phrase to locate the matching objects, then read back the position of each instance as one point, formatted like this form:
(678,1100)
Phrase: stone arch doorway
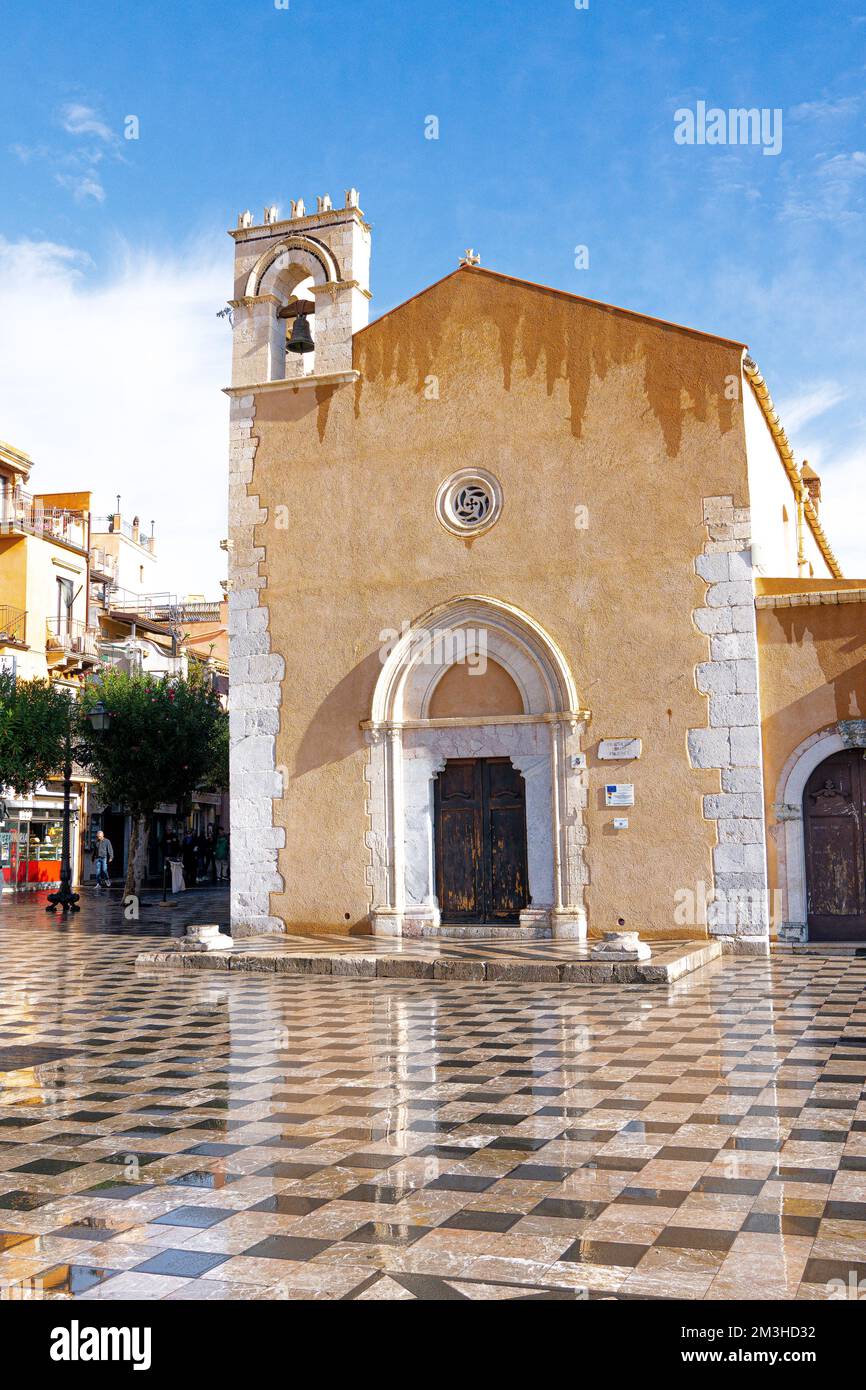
(834,820)
(514,700)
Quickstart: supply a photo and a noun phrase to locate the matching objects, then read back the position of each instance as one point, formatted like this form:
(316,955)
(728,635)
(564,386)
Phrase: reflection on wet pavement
(238,1137)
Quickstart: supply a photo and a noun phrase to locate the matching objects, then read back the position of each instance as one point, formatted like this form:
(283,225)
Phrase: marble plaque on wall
(619,749)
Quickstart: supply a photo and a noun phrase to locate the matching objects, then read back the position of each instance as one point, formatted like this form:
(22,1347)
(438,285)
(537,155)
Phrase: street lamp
(99,718)
(64,897)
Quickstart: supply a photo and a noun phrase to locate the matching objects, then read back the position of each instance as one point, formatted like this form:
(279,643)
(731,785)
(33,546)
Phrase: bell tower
(301,290)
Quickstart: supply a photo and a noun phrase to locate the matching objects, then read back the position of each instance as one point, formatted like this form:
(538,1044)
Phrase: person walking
(103,854)
(190,859)
(221,856)
(209,862)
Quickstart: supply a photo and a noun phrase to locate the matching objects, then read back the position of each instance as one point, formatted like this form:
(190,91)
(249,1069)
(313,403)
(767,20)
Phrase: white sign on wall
(619,749)
(619,794)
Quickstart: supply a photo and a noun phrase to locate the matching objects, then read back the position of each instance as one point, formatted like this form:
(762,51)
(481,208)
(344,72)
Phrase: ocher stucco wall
(570,405)
(813,673)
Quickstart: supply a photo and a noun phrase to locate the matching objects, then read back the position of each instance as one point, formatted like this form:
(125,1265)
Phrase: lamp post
(64,897)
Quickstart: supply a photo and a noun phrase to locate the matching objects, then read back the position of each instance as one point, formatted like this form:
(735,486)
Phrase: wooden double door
(480,834)
(834,817)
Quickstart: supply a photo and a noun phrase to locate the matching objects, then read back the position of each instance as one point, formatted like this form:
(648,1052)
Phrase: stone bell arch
(322,258)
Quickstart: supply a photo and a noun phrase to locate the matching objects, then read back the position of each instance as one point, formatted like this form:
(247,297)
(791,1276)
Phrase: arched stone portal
(408,749)
(790,843)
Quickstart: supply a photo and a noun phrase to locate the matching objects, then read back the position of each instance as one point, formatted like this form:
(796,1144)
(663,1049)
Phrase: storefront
(31,839)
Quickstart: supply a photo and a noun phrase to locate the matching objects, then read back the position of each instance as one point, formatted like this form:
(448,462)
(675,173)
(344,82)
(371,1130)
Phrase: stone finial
(470,257)
(298,208)
(324,204)
(245,219)
(271,214)
(353,198)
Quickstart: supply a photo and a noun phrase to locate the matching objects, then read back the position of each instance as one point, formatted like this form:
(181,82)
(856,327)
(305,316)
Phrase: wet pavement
(180,1135)
(110,913)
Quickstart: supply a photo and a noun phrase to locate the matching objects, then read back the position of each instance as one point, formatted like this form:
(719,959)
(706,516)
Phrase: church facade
(534,626)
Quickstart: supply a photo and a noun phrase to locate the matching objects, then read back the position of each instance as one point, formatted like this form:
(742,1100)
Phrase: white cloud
(82,186)
(824,109)
(83,120)
(843,486)
(809,404)
(114,386)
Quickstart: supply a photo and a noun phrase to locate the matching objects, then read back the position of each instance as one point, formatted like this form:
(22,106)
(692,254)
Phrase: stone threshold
(669,963)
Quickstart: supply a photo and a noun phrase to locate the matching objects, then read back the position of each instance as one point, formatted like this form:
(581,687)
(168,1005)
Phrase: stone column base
(744,945)
(535,917)
(208,938)
(406,921)
(568,923)
(620,945)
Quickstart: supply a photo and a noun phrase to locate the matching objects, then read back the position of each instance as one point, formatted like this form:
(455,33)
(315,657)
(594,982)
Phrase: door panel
(833,822)
(480,831)
(458,841)
(506,837)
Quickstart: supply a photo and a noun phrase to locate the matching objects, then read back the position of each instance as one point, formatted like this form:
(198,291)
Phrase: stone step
(294,956)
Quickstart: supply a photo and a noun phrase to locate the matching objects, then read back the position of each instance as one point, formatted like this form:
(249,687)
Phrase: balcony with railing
(163,608)
(69,637)
(25,514)
(13,626)
(115,525)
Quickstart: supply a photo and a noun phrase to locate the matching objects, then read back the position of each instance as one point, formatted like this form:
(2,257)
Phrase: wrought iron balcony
(20,511)
(71,637)
(13,625)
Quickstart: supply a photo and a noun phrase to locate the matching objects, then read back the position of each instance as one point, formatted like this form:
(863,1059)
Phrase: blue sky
(555,130)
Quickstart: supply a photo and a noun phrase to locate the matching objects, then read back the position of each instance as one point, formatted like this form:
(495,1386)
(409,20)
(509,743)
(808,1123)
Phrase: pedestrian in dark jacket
(190,860)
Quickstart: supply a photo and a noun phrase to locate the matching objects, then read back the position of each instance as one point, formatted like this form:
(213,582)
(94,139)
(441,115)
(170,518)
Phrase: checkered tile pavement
(247,1137)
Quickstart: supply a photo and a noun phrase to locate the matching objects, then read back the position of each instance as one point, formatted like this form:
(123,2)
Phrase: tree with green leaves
(160,743)
(34,717)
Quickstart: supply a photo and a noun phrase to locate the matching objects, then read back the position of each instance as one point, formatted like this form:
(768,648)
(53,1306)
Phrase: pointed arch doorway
(536,739)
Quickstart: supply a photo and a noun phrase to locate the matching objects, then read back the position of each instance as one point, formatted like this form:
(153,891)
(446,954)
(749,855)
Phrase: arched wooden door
(480,832)
(834,817)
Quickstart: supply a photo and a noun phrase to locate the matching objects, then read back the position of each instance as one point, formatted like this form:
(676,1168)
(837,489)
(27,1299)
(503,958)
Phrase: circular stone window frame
(445,513)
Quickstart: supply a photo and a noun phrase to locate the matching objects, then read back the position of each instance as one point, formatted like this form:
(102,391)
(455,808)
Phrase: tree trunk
(137,863)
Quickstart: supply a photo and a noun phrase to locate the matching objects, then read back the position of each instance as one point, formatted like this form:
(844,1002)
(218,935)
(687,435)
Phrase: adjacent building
(78,592)
(534,624)
(46,631)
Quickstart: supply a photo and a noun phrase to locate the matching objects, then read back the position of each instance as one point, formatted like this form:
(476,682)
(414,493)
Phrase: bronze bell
(301,339)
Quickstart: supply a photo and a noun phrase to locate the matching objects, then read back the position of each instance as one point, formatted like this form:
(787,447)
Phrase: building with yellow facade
(534,624)
(46,631)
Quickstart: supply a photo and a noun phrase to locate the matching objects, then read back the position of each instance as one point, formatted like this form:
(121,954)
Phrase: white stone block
(729,595)
(716,677)
(738,880)
(746,677)
(746,747)
(741,832)
(253,754)
(713,620)
(709,747)
(734,646)
(724,805)
(729,858)
(741,779)
(713,568)
(740,565)
(743,618)
(734,711)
